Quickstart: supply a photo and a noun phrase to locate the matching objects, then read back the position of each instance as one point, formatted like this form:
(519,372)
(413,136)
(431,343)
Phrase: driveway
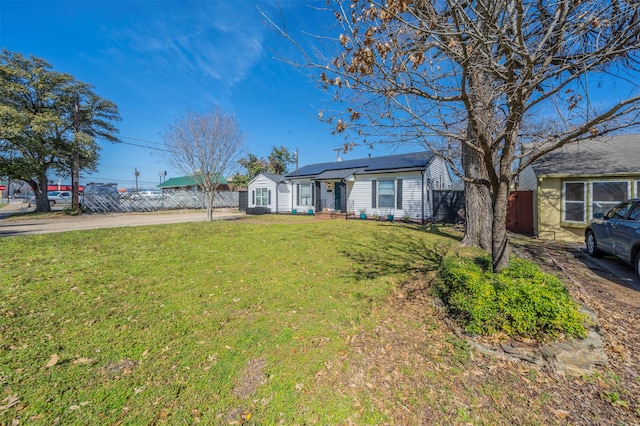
(613,266)
(12,226)
(604,275)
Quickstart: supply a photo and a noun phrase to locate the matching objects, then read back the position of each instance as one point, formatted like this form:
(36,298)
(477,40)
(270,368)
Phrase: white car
(59,197)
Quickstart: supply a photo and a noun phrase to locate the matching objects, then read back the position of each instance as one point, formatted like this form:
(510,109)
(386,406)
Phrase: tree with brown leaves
(490,85)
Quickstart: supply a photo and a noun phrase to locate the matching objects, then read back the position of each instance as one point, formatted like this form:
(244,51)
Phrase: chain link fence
(152,201)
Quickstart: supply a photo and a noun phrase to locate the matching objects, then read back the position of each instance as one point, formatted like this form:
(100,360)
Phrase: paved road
(17,226)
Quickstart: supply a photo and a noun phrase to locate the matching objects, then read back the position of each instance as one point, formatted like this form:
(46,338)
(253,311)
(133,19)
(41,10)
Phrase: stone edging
(571,357)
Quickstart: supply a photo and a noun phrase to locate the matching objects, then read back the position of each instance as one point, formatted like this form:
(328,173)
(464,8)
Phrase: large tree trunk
(499,242)
(478,208)
(40,191)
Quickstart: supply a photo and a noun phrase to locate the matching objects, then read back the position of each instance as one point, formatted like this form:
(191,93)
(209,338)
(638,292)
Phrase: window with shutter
(386,195)
(374,196)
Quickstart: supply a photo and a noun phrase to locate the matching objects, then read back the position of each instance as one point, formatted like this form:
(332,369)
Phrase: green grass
(521,301)
(214,322)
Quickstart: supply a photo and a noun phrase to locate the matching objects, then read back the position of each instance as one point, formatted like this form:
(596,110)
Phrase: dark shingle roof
(337,174)
(411,161)
(275,178)
(611,155)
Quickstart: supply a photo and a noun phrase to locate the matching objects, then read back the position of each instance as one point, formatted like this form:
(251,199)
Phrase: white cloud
(219,41)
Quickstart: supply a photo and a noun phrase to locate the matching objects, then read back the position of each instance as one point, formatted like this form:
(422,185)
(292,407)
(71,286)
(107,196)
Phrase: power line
(145,116)
(141,146)
(143,140)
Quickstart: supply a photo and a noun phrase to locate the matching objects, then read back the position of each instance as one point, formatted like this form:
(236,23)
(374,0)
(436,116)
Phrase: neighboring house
(399,184)
(189,183)
(573,183)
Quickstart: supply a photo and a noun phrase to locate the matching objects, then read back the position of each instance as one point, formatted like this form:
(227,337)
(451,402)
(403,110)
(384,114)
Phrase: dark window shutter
(253,197)
(399,194)
(269,197)
(298,194)
(373,194)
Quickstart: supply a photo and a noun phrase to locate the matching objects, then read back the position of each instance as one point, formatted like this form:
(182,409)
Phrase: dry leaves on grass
(9,402)
(412,367)
(52,361)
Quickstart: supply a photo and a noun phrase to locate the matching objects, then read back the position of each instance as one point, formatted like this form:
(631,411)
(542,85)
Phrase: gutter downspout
(422,193)
(276,197)
(345,198)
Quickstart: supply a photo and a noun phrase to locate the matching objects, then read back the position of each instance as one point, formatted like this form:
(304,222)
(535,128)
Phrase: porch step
(324,215)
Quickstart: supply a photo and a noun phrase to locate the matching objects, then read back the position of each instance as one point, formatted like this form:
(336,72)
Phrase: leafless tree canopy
(205,146)
(509,80)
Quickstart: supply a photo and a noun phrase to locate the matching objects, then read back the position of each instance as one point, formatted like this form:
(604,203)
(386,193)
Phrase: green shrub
(520,301)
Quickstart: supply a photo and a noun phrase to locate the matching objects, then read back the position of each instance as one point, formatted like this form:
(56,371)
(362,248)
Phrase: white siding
(527,180)
(438,175)
(284,197)
(294,195)
(360,195)
(280,194)
(327,199)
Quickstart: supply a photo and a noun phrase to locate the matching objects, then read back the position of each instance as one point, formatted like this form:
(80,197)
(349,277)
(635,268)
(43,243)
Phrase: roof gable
(415,160)
(270,176)
(613,155)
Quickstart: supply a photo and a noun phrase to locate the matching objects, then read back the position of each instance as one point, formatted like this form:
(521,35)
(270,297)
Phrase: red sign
(2,187)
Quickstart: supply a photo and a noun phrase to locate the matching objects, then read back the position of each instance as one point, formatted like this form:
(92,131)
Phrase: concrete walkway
(13,226)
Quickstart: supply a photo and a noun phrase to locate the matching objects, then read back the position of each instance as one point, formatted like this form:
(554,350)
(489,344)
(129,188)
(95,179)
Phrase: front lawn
(271,320)
(215,322)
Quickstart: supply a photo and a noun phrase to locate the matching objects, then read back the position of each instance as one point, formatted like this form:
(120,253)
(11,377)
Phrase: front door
(340,194)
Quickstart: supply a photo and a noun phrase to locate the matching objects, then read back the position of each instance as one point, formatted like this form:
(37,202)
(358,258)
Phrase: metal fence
(446,205)
(168,200)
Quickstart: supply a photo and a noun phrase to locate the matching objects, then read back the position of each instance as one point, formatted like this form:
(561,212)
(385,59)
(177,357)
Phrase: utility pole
(75,159)
(9,177)
(137,173)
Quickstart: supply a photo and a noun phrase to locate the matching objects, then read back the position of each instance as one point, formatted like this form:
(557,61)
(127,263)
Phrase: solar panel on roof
(389,162)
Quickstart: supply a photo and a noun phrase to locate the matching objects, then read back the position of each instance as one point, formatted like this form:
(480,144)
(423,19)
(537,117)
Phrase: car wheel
(637,263)
(592,245)
(52,203)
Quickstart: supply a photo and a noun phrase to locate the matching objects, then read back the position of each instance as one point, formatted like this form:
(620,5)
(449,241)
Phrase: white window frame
(302,202)
(393,193)
(584,201)
(262,197)
(609,204)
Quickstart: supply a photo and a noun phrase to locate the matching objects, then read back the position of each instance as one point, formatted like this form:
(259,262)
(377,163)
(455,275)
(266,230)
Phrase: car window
(619,211)
(635,213)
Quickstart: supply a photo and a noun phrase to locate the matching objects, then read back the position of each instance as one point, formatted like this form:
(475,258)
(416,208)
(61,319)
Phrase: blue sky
(158,59)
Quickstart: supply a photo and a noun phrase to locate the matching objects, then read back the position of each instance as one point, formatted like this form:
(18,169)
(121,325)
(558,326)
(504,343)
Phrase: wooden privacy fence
(520,210)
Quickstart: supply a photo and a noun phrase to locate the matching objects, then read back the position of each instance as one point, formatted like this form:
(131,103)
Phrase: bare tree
(490,85)
(205,146)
